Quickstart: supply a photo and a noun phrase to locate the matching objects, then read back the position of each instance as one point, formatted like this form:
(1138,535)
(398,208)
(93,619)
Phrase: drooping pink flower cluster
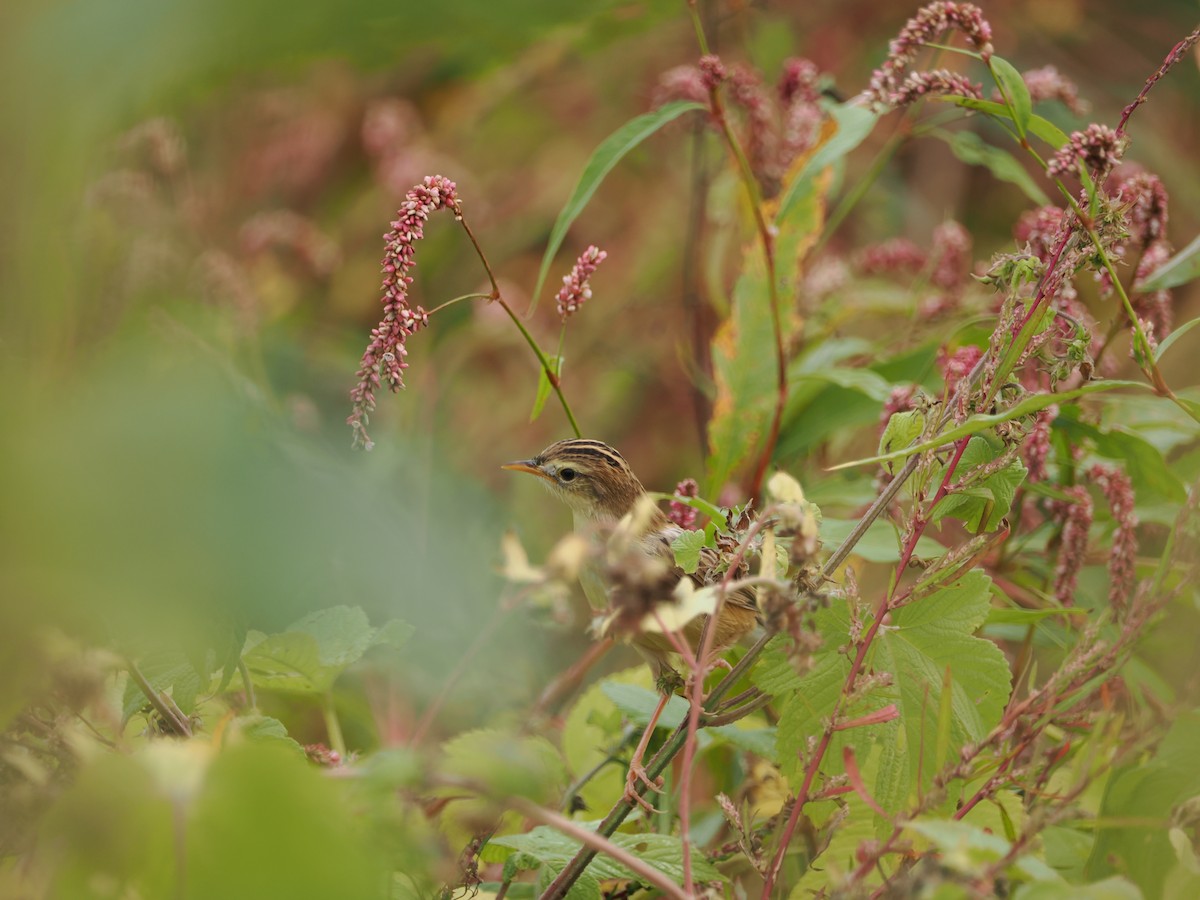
(1076,516)
(958,365)
(1098,148)
(712,72)
(778,125)
(950,256)
(1041,229)
(1037,444)
(892,85)
(384,358)
(1145,198)
(891,257)
(1118,491)
(680,83)
(680,513)
(935,82)
(576,289)
(1047,83)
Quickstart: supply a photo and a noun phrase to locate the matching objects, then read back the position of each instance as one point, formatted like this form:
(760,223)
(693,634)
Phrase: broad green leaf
(265,729)
(984,503)
(313,652)
(1043,128)
(1174,336)
(807,701)
(309,841)
(866,382)
(592,728)
(506,764)
(687,546)
(971,149)
(605,157)
(903,429)
(544,387)
(1015,91)
(880,544)
(1138,801)
(1115,888)
(638,703)
(167,672)
(1179,269)
(550,848)
(854,123)
(1144,463)
(925,638)
(745,366)
(979,423)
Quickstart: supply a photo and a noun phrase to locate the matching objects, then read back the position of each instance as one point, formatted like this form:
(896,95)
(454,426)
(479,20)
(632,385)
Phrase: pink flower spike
(680,513)
(576,289)
(384,358)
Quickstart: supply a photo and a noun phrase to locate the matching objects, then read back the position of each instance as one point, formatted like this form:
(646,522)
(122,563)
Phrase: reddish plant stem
(885,605)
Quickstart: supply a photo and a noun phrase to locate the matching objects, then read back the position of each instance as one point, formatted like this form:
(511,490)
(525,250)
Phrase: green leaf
(1115,888)
(984,503)
(265,729)
(544,387)
(1145,464)
(313,652)
(971,149)
(979,423)
(308,839)
(925,638)
(506,764)
(854,123)
(745,367)
(1138,800)
(865,381)
(168,672)
(605,157)
(687,546)
(1015,91)
(1043,128)
(553,850)
(638,704)
(880,544)
(1174,336)
(903,430)
(1179,269)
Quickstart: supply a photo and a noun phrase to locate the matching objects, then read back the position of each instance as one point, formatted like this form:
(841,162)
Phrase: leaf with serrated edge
(922,641)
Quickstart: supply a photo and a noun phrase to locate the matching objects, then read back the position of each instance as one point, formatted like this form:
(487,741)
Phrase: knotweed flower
(1076,514)
(1118,491)
(576,289)
(887,86)
(1037,445)
(1098,148)
(1047,84)
(680,513)
(384,358)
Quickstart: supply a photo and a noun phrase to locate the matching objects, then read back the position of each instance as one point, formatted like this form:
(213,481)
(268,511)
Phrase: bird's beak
(526,465)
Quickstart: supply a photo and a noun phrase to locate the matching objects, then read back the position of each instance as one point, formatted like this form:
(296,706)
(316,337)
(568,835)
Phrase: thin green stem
(333,727)
(533,345)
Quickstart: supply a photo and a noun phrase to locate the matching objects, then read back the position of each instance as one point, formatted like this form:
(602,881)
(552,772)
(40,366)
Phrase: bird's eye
(567,474)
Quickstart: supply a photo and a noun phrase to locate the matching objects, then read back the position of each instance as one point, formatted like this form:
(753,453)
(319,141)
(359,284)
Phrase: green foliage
(310,655)
(983,502)
(545,847)
(605,157)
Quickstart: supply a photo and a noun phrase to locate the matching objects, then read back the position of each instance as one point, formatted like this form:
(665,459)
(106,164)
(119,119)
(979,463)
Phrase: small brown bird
(597,484)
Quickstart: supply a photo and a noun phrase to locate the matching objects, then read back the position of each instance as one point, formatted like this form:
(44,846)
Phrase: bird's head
(591,477)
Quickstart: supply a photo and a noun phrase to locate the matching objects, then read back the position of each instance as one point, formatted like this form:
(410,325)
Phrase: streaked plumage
(600,488)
